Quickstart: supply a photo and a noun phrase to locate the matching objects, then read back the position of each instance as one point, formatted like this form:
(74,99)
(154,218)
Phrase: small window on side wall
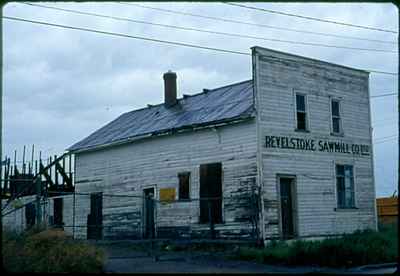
(336,120)
(184,185)
(301,112)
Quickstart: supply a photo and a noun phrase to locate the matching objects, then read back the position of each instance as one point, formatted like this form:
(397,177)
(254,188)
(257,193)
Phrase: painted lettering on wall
(284,142)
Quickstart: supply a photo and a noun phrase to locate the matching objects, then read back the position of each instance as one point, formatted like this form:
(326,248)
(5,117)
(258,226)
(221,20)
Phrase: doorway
(287,206)
(58,212)
(30,215)
(211,193)
(95,218)
(148,213)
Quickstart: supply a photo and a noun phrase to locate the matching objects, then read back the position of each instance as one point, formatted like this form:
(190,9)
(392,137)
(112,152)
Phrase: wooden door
(287,207)
(148,213)
(211,187)
(95,218)
(30,215)
(58,212)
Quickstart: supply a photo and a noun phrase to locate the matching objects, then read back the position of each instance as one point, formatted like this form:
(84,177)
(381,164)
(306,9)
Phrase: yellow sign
(167,194)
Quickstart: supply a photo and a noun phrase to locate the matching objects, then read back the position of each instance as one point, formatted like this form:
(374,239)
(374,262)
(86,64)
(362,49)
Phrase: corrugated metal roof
(222,104)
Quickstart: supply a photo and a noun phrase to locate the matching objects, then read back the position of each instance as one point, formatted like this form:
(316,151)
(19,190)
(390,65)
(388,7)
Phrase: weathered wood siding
(156,162)
(278,77)
(15,221)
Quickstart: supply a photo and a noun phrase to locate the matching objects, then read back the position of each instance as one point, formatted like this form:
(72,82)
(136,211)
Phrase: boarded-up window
(211,193)
(184,185)
(345,186)
(301,113)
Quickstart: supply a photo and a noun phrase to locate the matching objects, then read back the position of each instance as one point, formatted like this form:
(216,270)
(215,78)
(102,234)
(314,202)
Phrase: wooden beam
(64,175)
(46,175)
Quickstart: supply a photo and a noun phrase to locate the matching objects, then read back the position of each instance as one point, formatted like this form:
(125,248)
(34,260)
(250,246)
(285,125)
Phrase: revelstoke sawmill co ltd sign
(284,142)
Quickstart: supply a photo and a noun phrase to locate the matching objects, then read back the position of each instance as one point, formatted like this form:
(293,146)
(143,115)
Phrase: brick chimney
(169,88)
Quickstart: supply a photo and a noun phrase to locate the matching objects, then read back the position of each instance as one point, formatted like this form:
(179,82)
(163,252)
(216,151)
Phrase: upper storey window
(336,120)
(301,112)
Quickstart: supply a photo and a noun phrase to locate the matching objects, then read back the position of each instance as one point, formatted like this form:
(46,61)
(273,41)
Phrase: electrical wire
(380,139)
(254,24)
(125,35)
(144,38)
(384,95)
(380,142)
(207,31)
(310,18)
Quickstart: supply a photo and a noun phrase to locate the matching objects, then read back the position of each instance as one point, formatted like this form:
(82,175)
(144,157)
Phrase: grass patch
(49,251)
(358,248)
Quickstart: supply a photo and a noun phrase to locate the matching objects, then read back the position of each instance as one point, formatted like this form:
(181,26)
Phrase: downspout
(256,99)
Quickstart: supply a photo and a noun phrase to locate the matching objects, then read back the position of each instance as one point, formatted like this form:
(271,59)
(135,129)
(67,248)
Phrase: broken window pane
(301,121)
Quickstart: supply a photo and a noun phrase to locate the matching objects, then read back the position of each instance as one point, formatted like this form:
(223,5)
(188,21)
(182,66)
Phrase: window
(184,185)
(345,186)
(336,122)
(301,113)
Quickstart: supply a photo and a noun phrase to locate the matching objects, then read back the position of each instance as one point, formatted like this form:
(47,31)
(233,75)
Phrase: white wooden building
(296,140)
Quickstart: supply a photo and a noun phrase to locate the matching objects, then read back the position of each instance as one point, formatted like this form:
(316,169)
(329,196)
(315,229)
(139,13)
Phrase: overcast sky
(60,85)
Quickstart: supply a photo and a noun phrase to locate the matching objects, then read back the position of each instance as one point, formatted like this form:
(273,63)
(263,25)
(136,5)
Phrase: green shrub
(49,251)
(359,248)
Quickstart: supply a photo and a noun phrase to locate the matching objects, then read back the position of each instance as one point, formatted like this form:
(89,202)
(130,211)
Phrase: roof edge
(166,132)
(192,95)
(311,59)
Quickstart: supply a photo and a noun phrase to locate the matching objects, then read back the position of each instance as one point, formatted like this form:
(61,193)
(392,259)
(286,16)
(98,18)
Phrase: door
(211,193)
(95,217)
(148,213)
(58,212)
(287,207)
(30,215)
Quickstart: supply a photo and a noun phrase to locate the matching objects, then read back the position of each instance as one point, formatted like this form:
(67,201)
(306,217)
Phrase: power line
(385,123)
(254,24)
(206,31)
(126,36)
(310,18)
(384,95)
(379,139)
(380,142)
(143,38)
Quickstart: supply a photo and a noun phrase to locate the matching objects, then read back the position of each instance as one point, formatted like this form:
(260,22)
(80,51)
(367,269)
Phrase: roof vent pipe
(169,88)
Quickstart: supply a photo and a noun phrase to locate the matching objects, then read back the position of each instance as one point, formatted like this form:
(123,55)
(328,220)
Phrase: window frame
(179,185)
(340,133)
(344,207)
(306,112)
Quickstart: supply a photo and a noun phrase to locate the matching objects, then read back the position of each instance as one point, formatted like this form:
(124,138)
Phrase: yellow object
(167,194)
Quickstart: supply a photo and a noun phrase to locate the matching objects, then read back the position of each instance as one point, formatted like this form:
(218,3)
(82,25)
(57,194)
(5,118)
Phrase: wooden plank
(46,175)
(65,177)
(167,194)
